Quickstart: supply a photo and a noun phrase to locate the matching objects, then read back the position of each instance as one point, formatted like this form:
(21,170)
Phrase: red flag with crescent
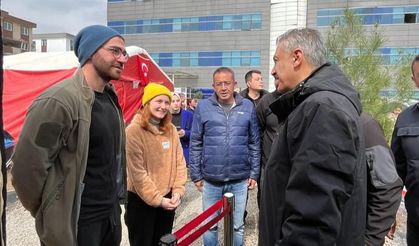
(144,69)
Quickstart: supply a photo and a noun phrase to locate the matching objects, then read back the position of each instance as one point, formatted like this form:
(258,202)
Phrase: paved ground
(20,225)
(21,228)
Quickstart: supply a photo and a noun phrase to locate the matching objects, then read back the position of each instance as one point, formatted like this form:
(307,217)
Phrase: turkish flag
(138,72)
(142,69)
(144,65)
(136,69)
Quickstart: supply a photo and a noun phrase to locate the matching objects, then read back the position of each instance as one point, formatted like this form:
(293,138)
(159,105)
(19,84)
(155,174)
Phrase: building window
(43,42)
(410,18)
(7,26)
(25,31)
(245,22)
(71,44)
(371,15)
(24,46)
(389,56)
(207,58)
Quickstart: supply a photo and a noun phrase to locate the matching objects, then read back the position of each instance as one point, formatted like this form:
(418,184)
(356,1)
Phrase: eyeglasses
(117,52)
(220,83)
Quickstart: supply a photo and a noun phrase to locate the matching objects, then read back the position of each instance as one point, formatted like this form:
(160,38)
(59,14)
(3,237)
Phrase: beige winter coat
(155,162)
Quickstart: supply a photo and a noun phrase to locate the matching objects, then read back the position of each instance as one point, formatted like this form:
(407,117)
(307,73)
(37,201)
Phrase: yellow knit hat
(152,90)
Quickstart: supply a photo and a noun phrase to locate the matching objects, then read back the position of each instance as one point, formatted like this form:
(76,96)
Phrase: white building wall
(285,15)
(37,45)
(59,44)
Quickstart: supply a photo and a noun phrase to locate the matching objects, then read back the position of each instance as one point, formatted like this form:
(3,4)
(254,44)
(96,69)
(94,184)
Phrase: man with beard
(314,190)
(69,164)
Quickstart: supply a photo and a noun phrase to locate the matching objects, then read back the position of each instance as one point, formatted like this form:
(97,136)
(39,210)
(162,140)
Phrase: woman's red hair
(165,123)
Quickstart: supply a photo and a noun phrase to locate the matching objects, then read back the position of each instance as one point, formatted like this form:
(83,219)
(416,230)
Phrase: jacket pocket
(381,166)
(53,196)
(408,131)
(409,137)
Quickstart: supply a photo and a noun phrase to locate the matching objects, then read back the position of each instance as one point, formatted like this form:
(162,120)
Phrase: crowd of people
(324,172)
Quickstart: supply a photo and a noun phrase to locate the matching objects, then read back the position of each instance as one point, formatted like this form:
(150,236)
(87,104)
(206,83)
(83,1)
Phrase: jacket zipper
(227,115)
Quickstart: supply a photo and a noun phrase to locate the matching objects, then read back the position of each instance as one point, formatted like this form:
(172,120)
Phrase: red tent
(26,75)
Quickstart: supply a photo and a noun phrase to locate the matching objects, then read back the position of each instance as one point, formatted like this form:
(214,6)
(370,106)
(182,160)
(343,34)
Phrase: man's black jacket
(315,179)
(384,185)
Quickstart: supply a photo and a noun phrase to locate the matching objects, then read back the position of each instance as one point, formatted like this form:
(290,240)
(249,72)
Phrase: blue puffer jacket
(224,147)
(186,125)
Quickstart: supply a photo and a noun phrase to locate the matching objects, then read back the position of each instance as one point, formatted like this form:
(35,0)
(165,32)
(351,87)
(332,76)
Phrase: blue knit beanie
(90,39)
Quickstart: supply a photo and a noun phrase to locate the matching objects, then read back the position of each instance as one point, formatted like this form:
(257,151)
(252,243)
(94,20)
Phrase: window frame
(24,31)
(8,26)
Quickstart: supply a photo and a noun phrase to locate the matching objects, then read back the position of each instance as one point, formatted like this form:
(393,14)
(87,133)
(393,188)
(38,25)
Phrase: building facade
(285,14)
(398,21)
(189,39)
(50,42)
(16,34)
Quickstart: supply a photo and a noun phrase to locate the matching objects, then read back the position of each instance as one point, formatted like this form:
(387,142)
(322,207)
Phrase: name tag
(165,144)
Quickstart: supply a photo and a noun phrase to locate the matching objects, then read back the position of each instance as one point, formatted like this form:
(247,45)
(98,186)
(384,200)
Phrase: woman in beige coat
(156,169)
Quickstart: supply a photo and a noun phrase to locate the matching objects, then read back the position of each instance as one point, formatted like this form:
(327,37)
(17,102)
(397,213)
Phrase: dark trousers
(105,232)
(260,183)
(146,224)
(412,236)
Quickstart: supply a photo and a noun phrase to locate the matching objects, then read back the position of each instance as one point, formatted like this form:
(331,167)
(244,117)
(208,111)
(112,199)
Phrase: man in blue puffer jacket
(225,149)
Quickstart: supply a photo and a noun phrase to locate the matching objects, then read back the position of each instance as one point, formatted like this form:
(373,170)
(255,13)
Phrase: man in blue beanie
(69,164)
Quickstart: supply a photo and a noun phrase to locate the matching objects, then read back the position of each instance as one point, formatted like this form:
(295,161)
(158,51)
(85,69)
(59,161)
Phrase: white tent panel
(43,61)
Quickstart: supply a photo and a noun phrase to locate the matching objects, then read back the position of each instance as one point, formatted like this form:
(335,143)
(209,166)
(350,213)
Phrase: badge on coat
(165,144)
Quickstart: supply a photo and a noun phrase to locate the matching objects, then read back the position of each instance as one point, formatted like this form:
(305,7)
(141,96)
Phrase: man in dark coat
(314,191)
(405,148)
(268,124)
(254,91)
(384,185)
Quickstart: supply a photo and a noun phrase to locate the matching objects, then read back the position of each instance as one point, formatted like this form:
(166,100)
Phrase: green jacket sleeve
(46,127)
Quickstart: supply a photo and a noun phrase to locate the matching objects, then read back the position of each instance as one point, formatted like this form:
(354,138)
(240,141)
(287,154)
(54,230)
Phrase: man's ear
(298,57)
(416,81)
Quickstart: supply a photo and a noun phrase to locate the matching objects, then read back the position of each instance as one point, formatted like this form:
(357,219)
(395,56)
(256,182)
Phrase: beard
(105,69)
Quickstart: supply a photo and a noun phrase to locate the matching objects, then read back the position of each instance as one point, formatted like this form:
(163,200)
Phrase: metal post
(229,220)
(168,240)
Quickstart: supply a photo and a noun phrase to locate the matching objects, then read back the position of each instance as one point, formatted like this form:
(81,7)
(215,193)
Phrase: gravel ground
(21,229)
(21,226)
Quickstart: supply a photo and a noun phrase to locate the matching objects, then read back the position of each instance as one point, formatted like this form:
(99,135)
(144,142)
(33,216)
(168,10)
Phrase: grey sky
(54,16)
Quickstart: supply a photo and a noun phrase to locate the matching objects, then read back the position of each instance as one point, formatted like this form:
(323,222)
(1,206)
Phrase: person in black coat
(314,190)
(254,91)
(384,185)
(404,144)
(268,123)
